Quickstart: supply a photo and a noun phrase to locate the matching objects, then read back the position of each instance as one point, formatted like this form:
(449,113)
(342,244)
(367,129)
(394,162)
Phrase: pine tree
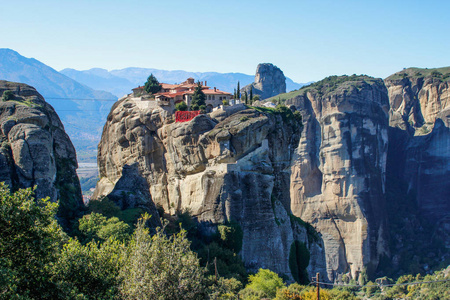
(238,91)
(152,85)
(198,98)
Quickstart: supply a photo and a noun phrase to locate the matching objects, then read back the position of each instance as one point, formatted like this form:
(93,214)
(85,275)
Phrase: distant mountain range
(120,82)
(83,99)
(78,106)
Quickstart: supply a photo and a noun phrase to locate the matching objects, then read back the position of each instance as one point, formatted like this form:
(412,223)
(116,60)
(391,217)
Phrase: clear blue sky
(308,40)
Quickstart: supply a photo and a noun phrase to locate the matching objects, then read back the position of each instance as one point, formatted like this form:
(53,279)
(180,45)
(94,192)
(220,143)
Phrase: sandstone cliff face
(338,173)
(36,151)
(237,170)
(420,140)
(269,81)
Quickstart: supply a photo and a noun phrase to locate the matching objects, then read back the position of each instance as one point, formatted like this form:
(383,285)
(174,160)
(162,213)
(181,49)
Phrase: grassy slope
(419,72)
(325,86)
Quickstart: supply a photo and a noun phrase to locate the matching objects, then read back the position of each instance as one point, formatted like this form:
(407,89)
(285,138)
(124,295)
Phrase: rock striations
(269,81)
(338,171)
(419,138)
(235,170)
(35,149)
(260,168)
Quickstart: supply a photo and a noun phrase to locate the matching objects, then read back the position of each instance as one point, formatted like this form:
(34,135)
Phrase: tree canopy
(152,85)
(198,98)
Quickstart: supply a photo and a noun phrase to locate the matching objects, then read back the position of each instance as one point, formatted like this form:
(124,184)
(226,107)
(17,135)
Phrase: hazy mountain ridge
(83,119)
(120,82)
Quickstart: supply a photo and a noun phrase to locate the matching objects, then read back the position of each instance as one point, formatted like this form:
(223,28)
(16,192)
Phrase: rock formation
(419,137)
(269,82)
(256,167)
(338,172)
(232,166)
(35,149)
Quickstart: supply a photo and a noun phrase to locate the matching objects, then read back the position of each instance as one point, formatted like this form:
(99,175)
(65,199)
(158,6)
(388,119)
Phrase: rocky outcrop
(256,167)
(36,151)
(269,81)
(419,137)
(338,172)
(233,167)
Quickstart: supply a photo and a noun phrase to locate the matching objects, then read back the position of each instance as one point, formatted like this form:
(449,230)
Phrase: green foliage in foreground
(263,284)
(39,261)
(30,240)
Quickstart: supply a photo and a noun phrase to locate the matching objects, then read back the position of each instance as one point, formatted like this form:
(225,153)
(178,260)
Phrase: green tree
(298,262)
(89,271)
(181,106)
(251,95)
(29,242)
(161,267)
(152,85)
(198,98)
(245,97)
(238,91)
(99,228)
(265,283)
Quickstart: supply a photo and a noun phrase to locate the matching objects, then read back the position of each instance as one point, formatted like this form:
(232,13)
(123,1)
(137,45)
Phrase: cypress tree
(245,97)
(198,98)
(238,91)
(251,95)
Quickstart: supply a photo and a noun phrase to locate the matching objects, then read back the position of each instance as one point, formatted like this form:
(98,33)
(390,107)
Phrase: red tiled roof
(210,92)
(186,86)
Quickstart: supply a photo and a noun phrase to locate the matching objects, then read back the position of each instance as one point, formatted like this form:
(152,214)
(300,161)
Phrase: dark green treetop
(198,98)
(152,85)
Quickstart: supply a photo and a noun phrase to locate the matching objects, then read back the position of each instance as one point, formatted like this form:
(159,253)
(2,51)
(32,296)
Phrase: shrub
(8,95)
(29,242)
(160,267)
(99,228)
(265,283)
(225,103)
(231,236)
(89,271)
(436,74)
(181,106)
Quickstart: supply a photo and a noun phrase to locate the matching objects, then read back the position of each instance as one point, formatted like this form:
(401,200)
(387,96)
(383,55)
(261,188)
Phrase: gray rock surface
(420,141)
(338,172)
(36,151)
(269,81)
(234,170)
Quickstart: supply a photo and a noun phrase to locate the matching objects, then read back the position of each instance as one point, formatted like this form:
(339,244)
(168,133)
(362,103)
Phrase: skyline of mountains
(78,105)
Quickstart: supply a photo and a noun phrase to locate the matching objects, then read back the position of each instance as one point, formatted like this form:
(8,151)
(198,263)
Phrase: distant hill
(120,82)
(82,109)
